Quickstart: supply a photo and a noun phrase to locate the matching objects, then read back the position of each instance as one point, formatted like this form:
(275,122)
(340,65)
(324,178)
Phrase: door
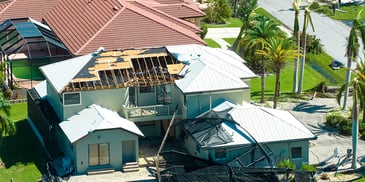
(98,154)
(129,151)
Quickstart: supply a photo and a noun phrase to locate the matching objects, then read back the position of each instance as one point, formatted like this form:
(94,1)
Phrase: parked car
(335,65)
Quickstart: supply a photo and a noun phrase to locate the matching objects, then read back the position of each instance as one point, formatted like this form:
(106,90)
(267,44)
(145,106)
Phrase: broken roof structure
(147,67)
(95,118)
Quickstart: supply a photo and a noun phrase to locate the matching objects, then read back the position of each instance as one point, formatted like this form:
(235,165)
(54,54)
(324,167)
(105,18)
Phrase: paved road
(333,34)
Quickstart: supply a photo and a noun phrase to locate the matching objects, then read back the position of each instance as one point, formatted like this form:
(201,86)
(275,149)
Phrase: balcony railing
(131,112)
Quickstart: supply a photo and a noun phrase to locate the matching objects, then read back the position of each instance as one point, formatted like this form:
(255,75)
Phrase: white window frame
(63,98)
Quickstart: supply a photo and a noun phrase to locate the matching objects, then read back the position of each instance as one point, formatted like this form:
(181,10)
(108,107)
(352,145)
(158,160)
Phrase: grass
(212,43)
(235,22)
(348,12)
(21,68)
(316,71)
(21,153)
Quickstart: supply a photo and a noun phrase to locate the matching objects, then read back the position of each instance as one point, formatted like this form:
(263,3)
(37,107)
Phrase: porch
(149,113)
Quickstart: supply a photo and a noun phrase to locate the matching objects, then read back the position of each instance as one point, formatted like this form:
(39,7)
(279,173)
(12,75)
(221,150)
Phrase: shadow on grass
(23,148)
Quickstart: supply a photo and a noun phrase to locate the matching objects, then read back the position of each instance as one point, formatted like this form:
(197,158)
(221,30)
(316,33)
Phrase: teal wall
(109,98)
(113,137)
(200,102)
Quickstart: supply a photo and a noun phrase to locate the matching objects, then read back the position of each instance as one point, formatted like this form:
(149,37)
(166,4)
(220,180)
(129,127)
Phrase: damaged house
(95,108)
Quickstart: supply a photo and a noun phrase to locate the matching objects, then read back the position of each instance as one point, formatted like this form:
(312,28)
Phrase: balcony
(148,113)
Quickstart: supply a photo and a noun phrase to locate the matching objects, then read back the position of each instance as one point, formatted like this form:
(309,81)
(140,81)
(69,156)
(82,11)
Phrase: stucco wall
(200,102)
(108,98)
(113,137)
(54,100)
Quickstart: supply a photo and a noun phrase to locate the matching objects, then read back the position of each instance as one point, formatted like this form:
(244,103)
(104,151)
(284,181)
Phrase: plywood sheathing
(127,68)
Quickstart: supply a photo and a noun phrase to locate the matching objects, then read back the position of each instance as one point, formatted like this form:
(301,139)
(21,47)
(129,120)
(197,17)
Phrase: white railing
(143,111)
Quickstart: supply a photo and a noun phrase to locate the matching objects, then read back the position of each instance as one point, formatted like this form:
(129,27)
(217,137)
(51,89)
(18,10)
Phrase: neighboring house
(231,133)
(81,27)
(145,86)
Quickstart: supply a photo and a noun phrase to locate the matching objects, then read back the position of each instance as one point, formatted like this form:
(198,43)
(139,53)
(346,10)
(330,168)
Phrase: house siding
(54,100)
(202,102)
(109,98)
(113,137)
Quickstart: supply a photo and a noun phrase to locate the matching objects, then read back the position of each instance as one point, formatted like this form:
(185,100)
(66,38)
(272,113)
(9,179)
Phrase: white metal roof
(61,73)
(202,77)
(95,118)
(269,125)
(226,60)
(41,88)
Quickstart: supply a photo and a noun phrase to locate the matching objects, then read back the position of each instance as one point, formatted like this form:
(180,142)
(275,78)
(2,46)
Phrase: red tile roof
(85,25)
(25,8)
(166,16)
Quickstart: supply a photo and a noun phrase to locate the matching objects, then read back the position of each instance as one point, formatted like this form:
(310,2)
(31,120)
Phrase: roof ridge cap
(166,14)
(102,28)
(4,2)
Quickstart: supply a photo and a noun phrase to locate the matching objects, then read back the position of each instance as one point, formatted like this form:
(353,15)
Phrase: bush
(307,167)
(333,121)
(362,135)
(345,130)
(314,45)
(287,164)
(217,11)
(204,31)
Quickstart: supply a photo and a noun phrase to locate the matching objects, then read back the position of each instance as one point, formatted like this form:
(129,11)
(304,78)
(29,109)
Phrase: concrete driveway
(312,114)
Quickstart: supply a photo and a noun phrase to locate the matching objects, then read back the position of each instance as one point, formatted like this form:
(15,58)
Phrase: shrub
(333,120)
(307,167)
(204,31)
(362,135)
(345,130)
(286,163)
(314,45)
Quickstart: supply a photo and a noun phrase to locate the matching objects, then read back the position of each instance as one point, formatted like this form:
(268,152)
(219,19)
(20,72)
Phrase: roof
(25,8)
(116,24)
(114,69)
(269,125)
(202,77)
(64,70)
(95,118)
(226,60)
(246,124)
(176,8)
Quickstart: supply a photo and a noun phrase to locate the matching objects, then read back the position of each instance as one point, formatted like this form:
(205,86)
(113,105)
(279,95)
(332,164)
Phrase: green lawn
(21,68)
(212,43)
(23,158)
(348,12)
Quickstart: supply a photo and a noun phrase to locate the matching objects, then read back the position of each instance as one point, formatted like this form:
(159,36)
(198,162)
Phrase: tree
(244,12)
(303,44)
(296,7)
(357,30)
(6,125)
(279,49)
(217,11)
(358,86)
(256,37)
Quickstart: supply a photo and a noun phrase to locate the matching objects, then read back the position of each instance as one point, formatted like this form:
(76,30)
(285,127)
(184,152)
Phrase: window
(163,94)
(220,153)
(98,154)
(71,98)
(146,89)
(296,152)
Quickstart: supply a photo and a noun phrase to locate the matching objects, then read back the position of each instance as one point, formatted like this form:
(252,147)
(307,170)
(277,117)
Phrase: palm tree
(244,12)
(278,50)
(256,38)
(358,86)
(357,30)
(6,125)
(296,7)
(303,40)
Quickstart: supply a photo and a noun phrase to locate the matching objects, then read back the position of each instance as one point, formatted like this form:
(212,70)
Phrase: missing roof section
(127,68)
